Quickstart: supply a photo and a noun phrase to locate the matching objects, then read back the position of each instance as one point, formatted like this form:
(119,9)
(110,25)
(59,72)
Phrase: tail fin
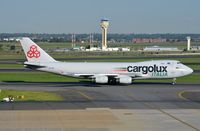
(33,52)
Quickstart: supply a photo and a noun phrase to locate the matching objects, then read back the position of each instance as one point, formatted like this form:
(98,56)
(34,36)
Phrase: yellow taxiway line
(84,95)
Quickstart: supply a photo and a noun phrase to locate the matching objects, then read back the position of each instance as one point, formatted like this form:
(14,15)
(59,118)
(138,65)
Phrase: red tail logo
(33,52)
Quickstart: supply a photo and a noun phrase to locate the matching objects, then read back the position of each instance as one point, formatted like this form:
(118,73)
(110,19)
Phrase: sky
(83,16)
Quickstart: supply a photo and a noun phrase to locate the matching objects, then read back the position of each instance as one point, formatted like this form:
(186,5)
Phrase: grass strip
(30,95)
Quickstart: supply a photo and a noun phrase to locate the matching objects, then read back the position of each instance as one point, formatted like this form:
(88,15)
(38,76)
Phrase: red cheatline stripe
(120,70)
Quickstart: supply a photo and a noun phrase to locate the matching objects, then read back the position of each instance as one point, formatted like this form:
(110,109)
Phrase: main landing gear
(174,81)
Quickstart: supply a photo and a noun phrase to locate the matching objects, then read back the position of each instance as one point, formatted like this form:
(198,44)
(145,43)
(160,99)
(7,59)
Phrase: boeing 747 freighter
(103,72)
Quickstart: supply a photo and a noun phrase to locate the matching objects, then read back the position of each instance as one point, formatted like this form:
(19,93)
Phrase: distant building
(78,48)
(93,49)
(148,40)
(125,49)
(108,49)
(11,39)
(193,48)
(61,50)
(158,48)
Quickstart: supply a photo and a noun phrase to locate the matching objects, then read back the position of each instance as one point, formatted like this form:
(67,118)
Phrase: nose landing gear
(174,81)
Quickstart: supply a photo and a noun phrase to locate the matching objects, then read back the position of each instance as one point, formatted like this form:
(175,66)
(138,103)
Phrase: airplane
(103,72)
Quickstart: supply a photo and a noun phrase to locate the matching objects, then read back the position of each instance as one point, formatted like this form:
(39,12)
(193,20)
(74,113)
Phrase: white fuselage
(137,70)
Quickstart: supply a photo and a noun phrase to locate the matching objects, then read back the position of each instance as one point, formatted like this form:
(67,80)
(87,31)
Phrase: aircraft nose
(189,70)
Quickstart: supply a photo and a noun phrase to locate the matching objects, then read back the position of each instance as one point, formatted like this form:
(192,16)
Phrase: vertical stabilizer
(33,52)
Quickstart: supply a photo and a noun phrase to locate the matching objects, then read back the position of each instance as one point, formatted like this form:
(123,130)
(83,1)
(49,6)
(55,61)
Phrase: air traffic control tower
(104,26)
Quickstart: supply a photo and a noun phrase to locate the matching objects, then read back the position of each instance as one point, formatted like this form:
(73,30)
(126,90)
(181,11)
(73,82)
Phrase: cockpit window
(179,65)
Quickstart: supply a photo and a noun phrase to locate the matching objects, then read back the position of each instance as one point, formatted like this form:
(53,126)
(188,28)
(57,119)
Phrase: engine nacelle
(101,79)
(125,80)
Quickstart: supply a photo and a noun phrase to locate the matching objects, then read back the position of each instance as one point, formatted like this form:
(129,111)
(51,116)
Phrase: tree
(12,47)
(1,46)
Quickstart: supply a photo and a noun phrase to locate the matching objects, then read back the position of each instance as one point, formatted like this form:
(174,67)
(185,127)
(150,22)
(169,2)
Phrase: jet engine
(101,79)
(125,80)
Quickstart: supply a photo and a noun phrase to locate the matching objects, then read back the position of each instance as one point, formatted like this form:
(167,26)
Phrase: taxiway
(91,107)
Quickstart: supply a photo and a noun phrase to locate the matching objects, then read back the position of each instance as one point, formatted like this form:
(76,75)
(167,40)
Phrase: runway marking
(180,94)
(166,113)
(84,95)
(173,117)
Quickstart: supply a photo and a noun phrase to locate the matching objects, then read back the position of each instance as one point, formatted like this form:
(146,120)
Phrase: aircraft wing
(108,75)
(95,75)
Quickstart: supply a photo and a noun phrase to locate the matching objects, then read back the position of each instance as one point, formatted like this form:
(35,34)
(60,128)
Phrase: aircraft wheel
(174,81)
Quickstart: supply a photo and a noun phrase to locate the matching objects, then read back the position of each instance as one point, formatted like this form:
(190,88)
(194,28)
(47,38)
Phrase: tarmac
(89,95)
(93,107)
